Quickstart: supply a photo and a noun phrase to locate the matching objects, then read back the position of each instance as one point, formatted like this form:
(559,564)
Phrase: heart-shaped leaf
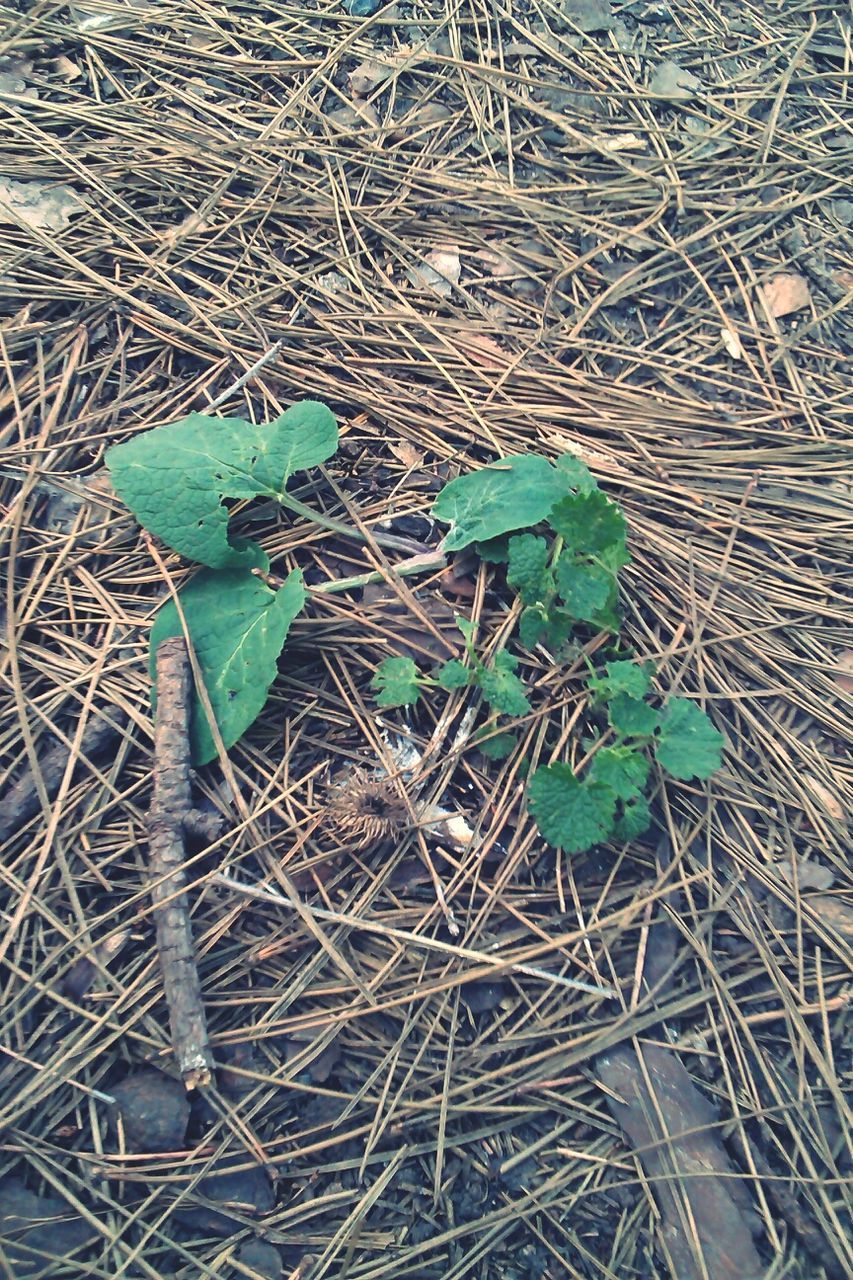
(174,478)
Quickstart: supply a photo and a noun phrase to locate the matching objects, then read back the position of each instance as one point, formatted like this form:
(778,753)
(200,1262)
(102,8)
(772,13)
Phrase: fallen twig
(170,817)
(21,800)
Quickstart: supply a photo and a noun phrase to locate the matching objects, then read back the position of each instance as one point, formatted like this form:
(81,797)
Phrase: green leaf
(559,628)
(585,588)
(634,820)
(622,769)
(498,746)
(577,473)
(688,745)
(527,570)
(621,677)
(631,717)
(494,550)
(237,627)
(396,682)
(501,688)
(589,522)
(513,493)
(174,478)
(532,625)
(453,675)
(570,814)
(466,626)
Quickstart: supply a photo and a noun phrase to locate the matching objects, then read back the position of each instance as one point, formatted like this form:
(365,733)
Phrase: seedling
(563,543)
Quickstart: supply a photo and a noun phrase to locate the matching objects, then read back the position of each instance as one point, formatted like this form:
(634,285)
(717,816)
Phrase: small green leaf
(585,588)
(453,675)
(622,769)
(688,745)
(527,570)
(396,682)
(559,628)
(634,820)
(498,745)
(494,550)
(621,677)
(589,523)
(501,688)
(577,473)
(631,717)
(532,625)
(237,627)
(512,493)
(570,814)
(466,626)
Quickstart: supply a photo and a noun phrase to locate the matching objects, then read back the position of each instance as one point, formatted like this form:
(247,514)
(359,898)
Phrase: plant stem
(337,526)
(432,562)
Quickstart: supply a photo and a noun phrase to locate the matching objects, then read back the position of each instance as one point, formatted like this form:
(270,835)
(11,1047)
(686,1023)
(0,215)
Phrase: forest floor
(619,230)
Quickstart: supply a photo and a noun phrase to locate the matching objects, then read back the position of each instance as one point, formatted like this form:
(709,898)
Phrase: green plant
(399,682)
(176,479)
(566,576)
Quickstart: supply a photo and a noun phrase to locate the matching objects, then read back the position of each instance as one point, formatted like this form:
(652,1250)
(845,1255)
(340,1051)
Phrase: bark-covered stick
(170,814)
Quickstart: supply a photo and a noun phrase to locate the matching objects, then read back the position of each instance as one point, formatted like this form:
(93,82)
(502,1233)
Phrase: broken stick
(170,817)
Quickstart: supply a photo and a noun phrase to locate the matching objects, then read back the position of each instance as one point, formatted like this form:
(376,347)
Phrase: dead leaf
(12,78)
(66,69)
(825,797)
(806,875)
(732,343)
(38,204)
(785,293)
(193,225)
(406,453)
(673,1130)
(619,142)
(834,911)
(439,271)
(844,670)
(483,350)
(367,76)
(353,117)
(673,82)
(589,15)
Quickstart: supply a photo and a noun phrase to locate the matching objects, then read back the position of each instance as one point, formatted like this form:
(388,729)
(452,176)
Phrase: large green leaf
(237,627)
(513,493)
(174,478)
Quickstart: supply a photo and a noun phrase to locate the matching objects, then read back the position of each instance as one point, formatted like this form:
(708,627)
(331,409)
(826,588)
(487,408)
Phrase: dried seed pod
(365,808)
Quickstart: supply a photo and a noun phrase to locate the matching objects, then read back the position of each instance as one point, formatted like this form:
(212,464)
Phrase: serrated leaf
(453,675)
(527,570)
(237,626)
(559,627)
(174,478)
(586,588)
(498,746)
(631,717)
(501,688)
(634,820)
(688,745)
(532,626)
(570,814)
(577,473)
(513,493)
(621,677)
(622,769)
(396,682)
(589,523)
